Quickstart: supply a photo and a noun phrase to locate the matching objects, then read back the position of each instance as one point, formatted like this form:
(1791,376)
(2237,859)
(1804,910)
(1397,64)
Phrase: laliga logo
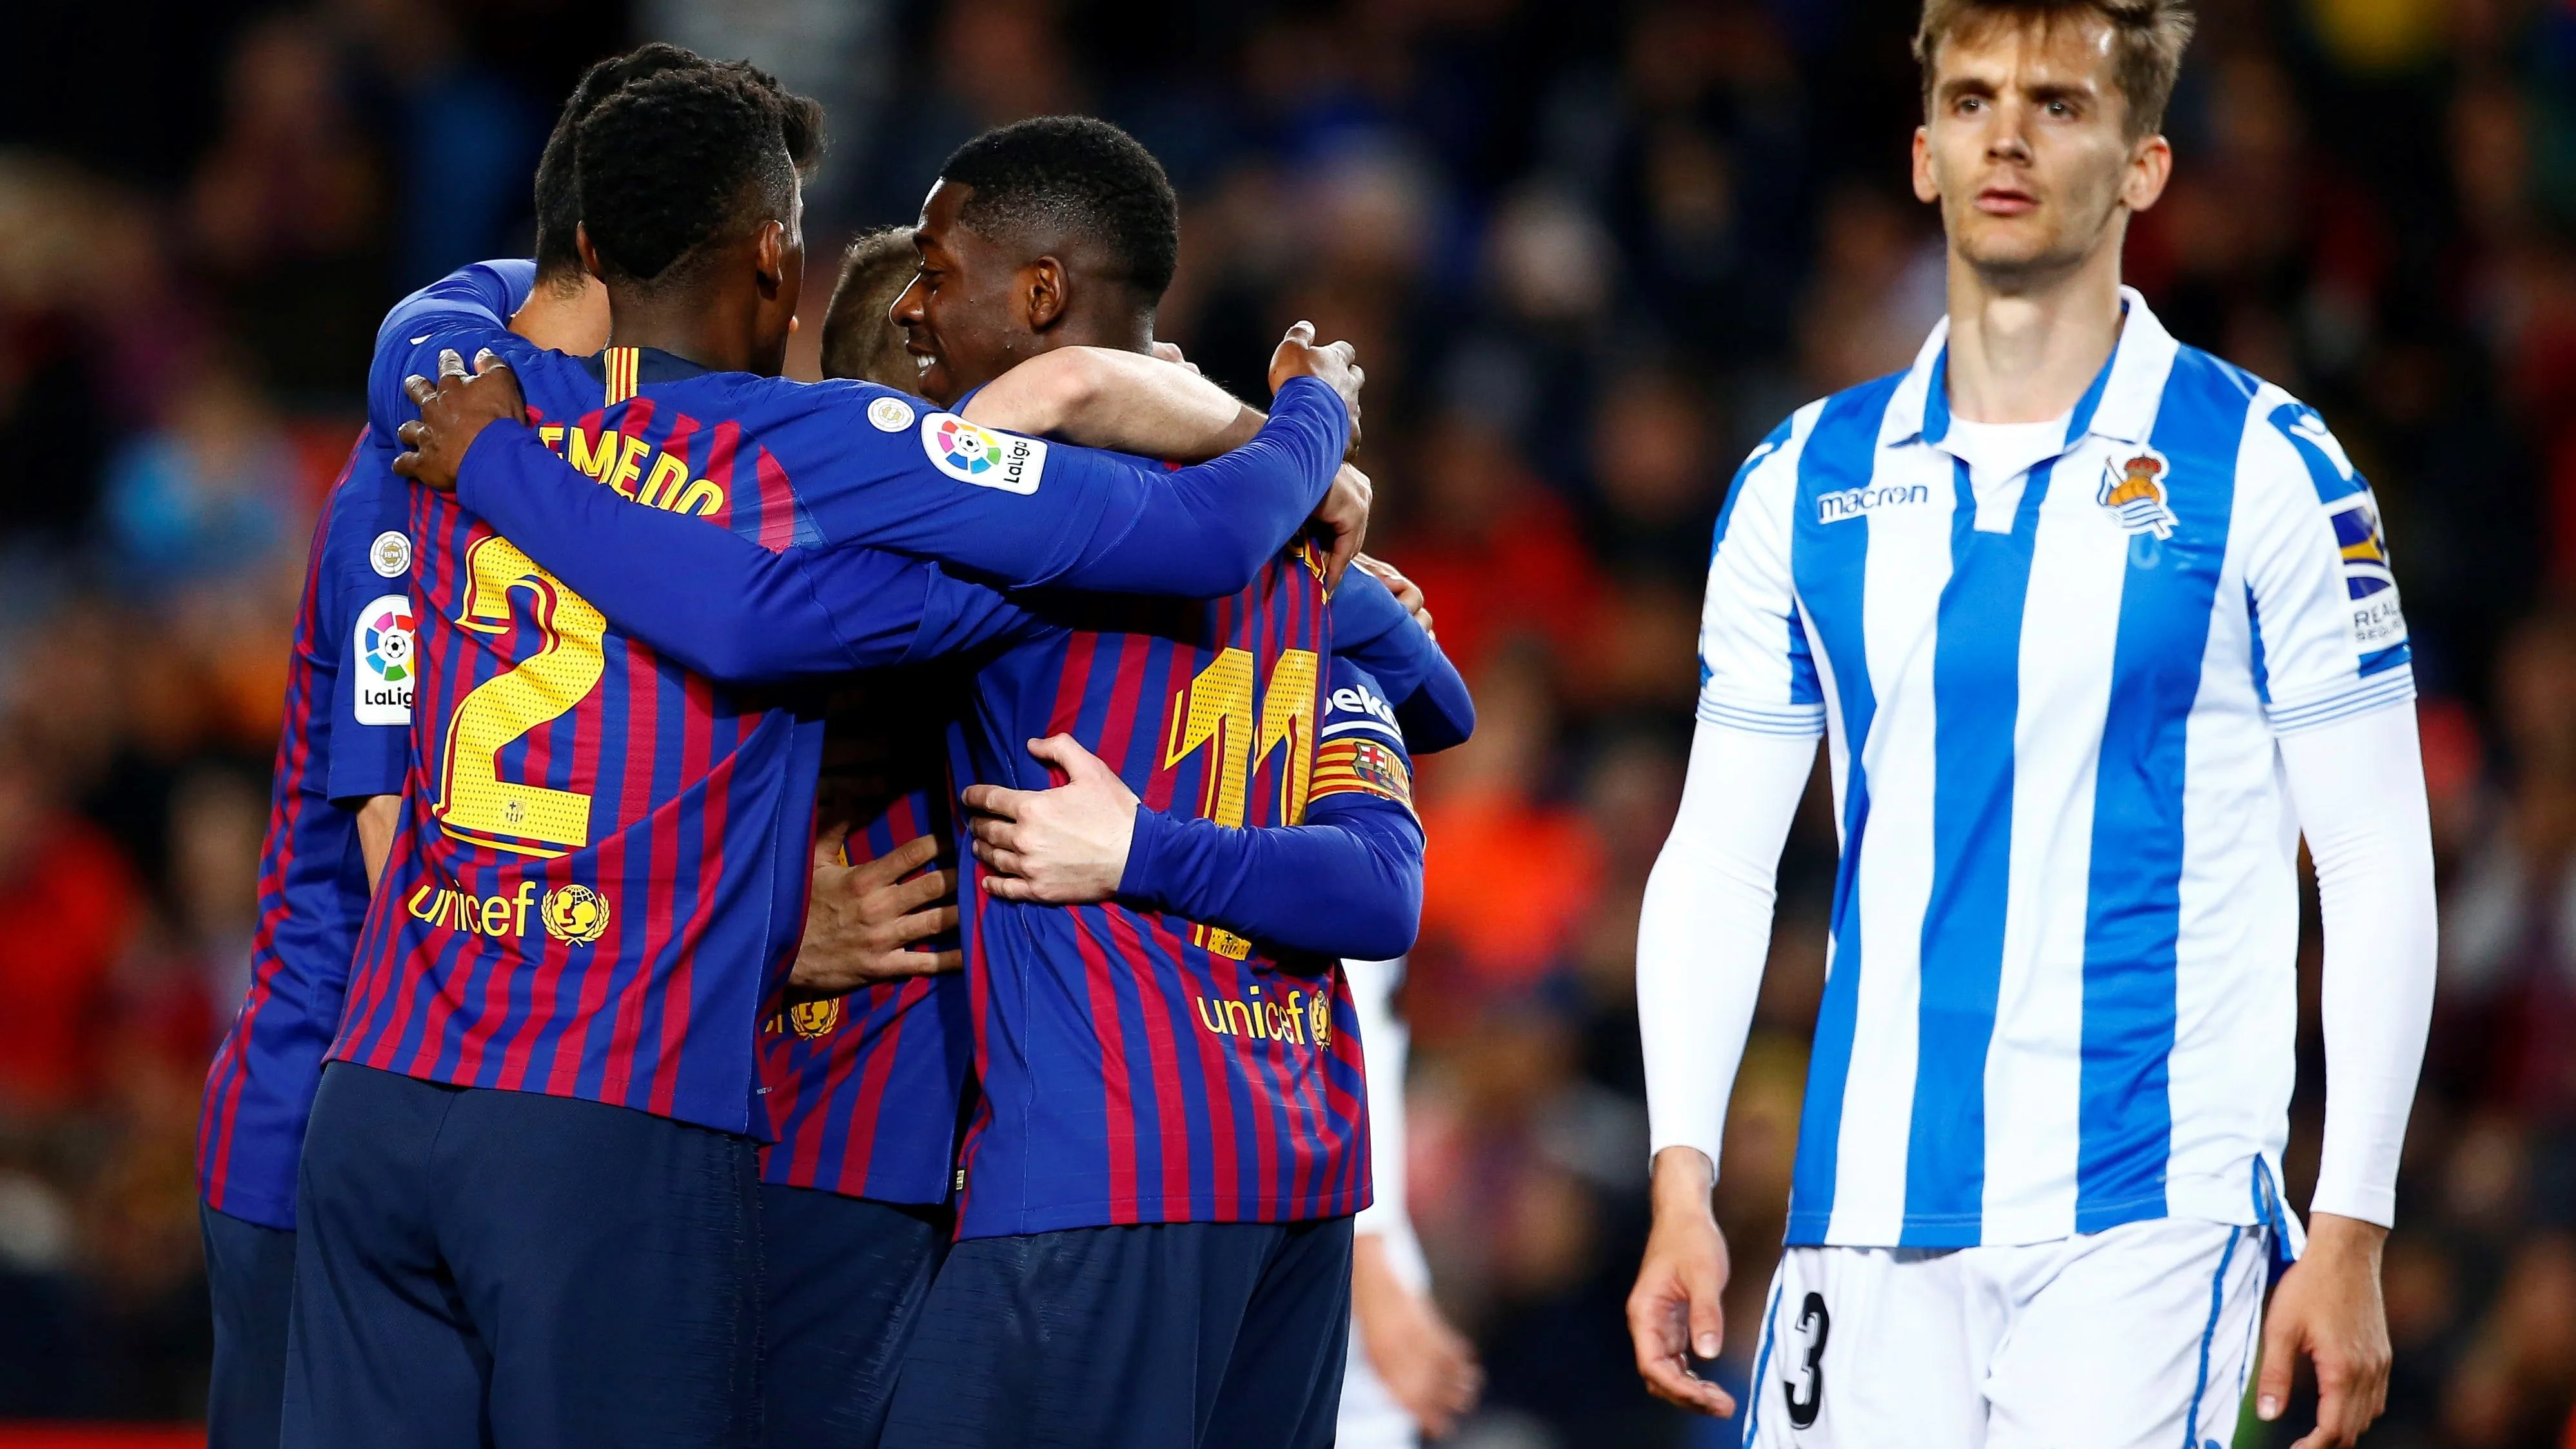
(575,914)
(388,644)
(967,446)
(2134,490)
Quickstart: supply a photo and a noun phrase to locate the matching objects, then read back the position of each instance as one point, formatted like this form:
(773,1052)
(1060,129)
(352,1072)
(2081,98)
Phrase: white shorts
(2138,1336)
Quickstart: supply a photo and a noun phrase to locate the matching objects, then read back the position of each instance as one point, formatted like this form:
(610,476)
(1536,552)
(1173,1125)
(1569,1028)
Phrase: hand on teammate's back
(863,921)
(1406,591)
(1059,847)
(453,412)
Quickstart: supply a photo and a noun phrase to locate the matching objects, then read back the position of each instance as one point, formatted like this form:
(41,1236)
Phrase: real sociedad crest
(2134,489)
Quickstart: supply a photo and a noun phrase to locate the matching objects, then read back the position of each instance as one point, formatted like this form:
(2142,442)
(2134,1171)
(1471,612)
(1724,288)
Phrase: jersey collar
(2120,405)
(645,364)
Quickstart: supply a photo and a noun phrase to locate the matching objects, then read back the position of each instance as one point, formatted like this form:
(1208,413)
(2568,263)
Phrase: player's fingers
(1302,333)
(891,867)
(921,963)
(2280,1356)
(451,363)
(828,845)
(922,925)
(489,361)
(994,800)
(1065,753)
(998,833)
(922,890)
(1009,888)
(419,389)
(1707,1314)
(412,432)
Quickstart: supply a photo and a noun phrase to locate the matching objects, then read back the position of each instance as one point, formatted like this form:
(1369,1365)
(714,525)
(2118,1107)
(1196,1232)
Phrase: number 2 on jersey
(474,803)
(1215,708)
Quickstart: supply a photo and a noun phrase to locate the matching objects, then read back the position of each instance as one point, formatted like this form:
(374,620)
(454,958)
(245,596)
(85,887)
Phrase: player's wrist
(1683,1181)
(2333,1237)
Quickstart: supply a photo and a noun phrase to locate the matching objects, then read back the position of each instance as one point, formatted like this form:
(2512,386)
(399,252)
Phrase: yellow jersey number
(1216,709)
(474,803)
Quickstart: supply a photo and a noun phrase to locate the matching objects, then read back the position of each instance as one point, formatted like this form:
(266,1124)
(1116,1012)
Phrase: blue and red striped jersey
(346,731)
(1136,1067)
(864,1089)
(603,862)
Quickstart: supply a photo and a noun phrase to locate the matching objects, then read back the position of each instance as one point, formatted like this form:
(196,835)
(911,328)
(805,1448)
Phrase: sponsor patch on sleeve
(2377,622)
(981,456)
(384,669)
(1362,766)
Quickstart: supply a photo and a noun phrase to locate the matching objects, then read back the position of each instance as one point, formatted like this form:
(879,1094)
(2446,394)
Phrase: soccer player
(528,1186)
(2095,626)
(336,783)
(1060,199)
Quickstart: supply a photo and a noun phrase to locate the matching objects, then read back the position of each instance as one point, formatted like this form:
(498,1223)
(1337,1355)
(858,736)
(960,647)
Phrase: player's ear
(769,256)
(2150,166)
(589,253)
(1925,188)
(1044,294)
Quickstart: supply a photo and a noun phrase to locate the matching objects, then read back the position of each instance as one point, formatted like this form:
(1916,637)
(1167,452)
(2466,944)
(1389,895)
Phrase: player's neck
(692,326)
(2024,350)
(569,320)
(1120,328)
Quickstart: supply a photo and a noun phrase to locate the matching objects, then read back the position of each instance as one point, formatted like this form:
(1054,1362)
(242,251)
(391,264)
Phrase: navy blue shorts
(533,1272)
(250,1275)
(842,1284)
(1217,1335)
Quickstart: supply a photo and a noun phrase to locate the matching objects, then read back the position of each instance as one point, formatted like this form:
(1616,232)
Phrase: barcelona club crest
(2134,489)
(575,914)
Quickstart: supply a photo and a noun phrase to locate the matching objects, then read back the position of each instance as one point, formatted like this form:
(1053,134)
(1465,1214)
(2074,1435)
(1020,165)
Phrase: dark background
(1589,253)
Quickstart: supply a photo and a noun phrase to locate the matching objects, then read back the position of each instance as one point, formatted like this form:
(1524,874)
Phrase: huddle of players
(529,1204)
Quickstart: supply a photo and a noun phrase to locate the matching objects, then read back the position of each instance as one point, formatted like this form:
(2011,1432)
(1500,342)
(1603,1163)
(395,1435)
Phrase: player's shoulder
(367,516)
(2284,445)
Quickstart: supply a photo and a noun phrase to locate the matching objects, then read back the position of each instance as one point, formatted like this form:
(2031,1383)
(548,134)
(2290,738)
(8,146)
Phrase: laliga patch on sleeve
(383,669)
(982,457)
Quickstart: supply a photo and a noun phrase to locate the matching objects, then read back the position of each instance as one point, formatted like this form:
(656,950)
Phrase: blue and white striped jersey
(2062,989)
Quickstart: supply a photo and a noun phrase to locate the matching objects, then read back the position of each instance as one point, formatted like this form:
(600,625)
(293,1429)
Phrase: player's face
(2026,150)
(957,320)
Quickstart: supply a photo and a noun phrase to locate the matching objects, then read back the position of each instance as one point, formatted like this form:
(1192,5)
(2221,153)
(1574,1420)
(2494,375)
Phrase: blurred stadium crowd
(1588,253)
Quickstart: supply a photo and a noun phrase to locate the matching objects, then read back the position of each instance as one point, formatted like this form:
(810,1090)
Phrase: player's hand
(2328,1309)
(1341,520)
(1674,1312)
(1426,1365)
(1059,847)
(1171,352)
(1335,365)
(454,411)
(1406,591)
(862,920)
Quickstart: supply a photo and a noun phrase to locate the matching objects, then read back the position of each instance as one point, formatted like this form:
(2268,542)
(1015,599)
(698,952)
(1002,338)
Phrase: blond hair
(859,340)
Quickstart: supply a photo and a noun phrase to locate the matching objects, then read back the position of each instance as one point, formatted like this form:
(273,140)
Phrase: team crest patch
(385,664)
(390,554)
(2134,488)
(575,914)
(979,456)
(815,1019)
(890,414)
(1358,766)
(1319,1019)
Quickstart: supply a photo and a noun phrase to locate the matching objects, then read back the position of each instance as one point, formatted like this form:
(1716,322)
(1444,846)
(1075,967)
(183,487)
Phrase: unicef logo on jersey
(574,914)
(986,459)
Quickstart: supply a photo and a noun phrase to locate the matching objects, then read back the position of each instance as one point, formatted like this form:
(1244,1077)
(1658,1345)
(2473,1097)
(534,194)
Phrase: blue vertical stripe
(1828,564)
(2134,900)
(1976,699)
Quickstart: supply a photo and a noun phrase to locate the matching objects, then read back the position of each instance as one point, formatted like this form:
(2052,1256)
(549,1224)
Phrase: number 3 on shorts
(1816,1323)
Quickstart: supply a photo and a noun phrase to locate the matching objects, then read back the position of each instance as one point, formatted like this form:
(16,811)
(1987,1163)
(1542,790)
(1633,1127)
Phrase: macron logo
(1853,502)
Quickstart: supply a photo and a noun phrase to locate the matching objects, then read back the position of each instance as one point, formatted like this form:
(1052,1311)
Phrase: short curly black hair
(675,163)
(1084,176)
(558,198)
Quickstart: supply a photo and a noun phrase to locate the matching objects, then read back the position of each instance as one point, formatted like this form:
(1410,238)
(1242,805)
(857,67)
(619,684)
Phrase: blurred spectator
(71,902)
(205,498)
